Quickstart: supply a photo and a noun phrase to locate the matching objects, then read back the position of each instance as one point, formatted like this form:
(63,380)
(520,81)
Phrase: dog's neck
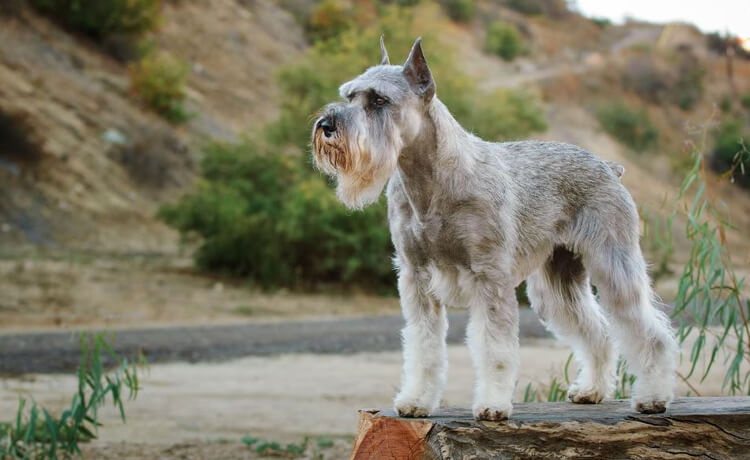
(433,149)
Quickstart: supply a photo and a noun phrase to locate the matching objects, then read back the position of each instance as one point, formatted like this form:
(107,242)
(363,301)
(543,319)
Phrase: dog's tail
(616,168)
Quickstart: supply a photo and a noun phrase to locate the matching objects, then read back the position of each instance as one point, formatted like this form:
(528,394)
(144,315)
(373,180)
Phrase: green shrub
(101,18)
(505,115)
(602,22)
(745,100)
(327,20)
(159,79)
(504,40)
(725,104)
(729,140)
(631,127)
(460,10)
(550,8)
(269,217)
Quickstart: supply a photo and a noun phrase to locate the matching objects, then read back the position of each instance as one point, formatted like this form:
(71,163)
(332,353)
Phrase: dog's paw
(408,406)
(650,406)
(492,413)
(411,410)
(579,395)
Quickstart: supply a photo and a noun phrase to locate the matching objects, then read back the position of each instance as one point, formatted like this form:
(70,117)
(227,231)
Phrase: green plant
(725,104)
(159,80)
(261,211)
(504,40)
(550,8)
(625,381)
(327,20)
(36,433)
(601,22)
(268,216)
(745,100)
(710,304)
(729,141)
(292,450)
(102,18)
(505,114)
(631,127)
(459,10)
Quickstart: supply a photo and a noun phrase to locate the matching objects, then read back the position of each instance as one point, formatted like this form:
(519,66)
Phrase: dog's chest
(439,241)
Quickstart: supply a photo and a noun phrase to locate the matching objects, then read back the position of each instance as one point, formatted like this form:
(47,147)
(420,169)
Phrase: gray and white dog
(472,219)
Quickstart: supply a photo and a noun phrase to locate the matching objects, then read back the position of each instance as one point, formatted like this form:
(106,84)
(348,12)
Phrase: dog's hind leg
(561,295)
(492,336)
(425,354)
(642,332)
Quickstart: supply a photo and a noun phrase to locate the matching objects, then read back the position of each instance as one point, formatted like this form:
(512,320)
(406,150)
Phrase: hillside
(84,165)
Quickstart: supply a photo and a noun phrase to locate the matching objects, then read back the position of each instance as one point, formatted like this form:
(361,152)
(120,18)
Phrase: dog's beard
(361,169)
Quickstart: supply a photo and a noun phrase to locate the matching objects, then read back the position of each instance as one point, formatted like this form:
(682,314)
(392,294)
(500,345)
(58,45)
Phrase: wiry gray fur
(472,219)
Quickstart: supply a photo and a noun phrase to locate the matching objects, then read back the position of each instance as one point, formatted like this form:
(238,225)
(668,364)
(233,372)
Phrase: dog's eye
(379,101)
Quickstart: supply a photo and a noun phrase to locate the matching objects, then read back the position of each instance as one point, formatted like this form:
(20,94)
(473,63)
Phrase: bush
(550,8)
(159,79)
(725,104)
(728,142)
(601,22)
(102,18)
(460,10)
(504,40)
(327,20)
(745,100)
(631,127)
(267,216)
(506,115)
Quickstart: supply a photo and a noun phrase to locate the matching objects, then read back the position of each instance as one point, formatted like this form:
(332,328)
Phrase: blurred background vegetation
(200,120)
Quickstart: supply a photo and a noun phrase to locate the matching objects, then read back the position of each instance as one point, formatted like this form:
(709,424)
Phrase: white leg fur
(576,319)
(492,336)
(642,332)
(424,349)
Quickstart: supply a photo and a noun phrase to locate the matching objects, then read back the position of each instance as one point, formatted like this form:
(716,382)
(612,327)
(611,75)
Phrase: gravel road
(51,352)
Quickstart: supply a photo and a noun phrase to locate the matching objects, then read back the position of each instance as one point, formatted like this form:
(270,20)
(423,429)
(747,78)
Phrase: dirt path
(47,352)
(186,410)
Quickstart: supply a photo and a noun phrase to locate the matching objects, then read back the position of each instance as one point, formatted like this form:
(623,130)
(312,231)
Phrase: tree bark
(709,428)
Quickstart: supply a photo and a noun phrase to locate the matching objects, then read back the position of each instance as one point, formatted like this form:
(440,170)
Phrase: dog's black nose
(328,126)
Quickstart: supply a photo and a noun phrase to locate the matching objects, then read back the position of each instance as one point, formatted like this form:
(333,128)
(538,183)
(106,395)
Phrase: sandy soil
(183,408)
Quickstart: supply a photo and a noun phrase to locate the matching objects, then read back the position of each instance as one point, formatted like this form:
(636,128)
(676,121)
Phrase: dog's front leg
(425,361)
(492,336)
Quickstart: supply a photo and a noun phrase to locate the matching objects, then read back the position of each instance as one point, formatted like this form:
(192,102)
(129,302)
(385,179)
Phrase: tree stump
(711,428)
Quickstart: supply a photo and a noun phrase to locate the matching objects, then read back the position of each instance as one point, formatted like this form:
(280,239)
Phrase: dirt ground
(61,290)
(187,410)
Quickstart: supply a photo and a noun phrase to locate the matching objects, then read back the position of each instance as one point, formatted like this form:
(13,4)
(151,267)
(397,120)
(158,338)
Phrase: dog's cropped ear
(418,74)
(383,53)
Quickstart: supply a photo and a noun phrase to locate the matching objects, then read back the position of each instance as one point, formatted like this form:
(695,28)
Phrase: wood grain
(709,428)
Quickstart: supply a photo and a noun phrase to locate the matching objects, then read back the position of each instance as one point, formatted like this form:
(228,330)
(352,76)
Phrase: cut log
(710,428)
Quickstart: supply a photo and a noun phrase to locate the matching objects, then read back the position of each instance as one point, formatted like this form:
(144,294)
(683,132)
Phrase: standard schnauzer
(471,219)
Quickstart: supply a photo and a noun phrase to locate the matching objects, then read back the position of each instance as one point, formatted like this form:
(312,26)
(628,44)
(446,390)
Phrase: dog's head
(359,139)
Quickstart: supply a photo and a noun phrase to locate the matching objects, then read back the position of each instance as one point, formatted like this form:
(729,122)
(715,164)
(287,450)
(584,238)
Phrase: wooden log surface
(709,428)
